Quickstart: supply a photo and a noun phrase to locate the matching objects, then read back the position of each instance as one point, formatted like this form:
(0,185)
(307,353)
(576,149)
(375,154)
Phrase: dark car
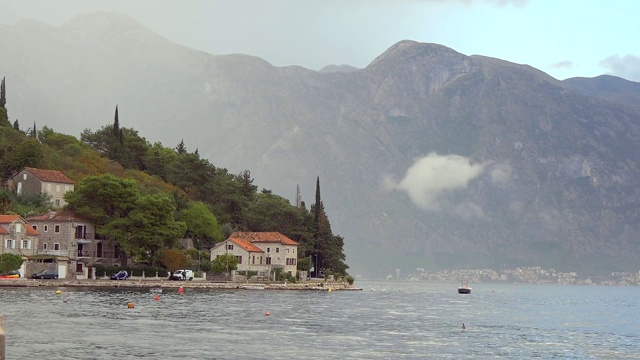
(45,274)
(120,275)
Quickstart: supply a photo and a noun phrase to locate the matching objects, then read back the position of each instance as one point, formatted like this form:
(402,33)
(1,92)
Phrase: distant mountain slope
(338,68)
(608,87)
(427,157)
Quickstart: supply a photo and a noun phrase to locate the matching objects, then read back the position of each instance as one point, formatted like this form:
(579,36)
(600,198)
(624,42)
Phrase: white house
(40,181)
(260,251)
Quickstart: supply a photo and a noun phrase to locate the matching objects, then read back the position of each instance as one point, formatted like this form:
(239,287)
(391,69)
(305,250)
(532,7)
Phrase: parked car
(45,274)
(120,275)
(182,275)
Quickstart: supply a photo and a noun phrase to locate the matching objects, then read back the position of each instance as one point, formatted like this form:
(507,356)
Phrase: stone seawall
(132,283)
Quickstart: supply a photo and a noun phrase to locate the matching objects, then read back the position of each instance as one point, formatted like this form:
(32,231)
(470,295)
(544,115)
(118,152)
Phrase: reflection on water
(388,320)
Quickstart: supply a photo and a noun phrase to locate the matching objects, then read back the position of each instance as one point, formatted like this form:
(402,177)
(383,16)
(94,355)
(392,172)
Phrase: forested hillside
(147,196)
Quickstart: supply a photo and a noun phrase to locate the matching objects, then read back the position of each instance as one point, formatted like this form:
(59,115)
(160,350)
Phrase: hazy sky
(564,38)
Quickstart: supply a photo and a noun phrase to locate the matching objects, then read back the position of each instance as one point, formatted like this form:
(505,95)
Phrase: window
(287,250)
(268,261)
(49,188)
(35,227)
(57,188)
(18,228)
(9,244)
(57,202)
(46,228)
(57,228)
(239,258)
(260,260)
(229,246)
(44,246)
(277,250)
(24,176)
(268,249)
(56,246)
(67,188)
(26,244)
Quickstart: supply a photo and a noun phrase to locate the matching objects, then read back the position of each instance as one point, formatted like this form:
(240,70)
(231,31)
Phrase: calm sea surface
(387,320)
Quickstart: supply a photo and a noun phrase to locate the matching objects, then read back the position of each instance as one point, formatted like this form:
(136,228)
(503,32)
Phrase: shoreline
(168,284)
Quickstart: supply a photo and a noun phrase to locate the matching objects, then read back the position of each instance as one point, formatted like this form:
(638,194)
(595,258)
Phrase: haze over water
(387,320)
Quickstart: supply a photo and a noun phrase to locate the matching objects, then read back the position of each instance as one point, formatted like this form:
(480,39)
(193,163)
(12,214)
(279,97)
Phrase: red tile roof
(8,219)
(50,175)
(263,237)
(245,244)
(56,216)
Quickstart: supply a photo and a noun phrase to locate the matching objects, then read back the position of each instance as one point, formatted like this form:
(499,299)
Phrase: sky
(564,38)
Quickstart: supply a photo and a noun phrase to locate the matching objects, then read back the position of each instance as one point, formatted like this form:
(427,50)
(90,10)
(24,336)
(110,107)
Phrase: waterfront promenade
(317,285)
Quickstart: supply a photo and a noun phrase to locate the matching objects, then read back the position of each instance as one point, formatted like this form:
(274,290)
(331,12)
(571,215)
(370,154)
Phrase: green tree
(16,125)
(5,201)
(224,264)
(10,262)
(103,198)
(202,225)
(148,228)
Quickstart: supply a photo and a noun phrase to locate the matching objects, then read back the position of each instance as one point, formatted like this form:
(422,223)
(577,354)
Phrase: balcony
(53,252)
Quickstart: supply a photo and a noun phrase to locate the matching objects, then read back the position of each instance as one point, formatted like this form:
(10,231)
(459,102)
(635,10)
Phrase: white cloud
(566,64)
(627,66)
(433,175)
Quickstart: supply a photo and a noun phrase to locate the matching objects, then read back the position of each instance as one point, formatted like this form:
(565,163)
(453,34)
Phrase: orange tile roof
(56,216)
(263,237)
(50,175)
(8,219)
(245,244)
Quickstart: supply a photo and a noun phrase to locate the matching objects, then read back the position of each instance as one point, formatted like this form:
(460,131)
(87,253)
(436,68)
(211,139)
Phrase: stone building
(260,251)
(64,234)
(39,181)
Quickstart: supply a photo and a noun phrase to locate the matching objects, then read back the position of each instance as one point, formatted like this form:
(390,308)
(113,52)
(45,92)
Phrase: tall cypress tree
(3,94)
(116,124)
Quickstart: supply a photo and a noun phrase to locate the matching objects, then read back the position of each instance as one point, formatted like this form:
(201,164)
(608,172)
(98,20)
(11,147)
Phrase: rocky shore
(166,284)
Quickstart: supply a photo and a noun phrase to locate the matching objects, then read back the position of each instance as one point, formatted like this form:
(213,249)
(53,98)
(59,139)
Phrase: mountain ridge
(553,168)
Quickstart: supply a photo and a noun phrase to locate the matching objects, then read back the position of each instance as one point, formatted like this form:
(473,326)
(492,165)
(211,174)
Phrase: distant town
(534,275)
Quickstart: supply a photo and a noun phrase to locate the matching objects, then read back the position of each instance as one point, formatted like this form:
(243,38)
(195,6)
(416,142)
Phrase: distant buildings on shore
(536,275)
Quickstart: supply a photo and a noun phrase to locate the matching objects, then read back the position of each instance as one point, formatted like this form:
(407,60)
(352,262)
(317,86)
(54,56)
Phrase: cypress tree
(116,125)
(16,125)
(3,94)
(34,132)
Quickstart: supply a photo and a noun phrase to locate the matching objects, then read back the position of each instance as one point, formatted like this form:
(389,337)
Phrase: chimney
(52,214)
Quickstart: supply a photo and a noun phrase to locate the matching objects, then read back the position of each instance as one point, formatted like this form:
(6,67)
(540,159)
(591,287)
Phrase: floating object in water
(58,292)
(157,297)
(267,314)
(329,290)
(130,305)
(463,327)
(180,290)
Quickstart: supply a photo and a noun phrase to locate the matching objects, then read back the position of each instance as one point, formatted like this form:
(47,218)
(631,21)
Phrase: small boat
(156,290)
(464,288)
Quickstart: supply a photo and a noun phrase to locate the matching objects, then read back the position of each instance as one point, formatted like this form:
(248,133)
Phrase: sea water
(386,320)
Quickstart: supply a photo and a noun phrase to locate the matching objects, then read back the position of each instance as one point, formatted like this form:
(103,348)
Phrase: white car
(182,275)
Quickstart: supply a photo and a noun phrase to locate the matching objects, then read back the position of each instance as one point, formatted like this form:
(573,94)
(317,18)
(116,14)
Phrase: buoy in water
(267,314)
(130,305)
(157,297)
(180,290)
(58,292)
(329,290)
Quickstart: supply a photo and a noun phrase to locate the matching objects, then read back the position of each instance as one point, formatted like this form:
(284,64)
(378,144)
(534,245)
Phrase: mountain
(338,68)
(427,157)
(608,87)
